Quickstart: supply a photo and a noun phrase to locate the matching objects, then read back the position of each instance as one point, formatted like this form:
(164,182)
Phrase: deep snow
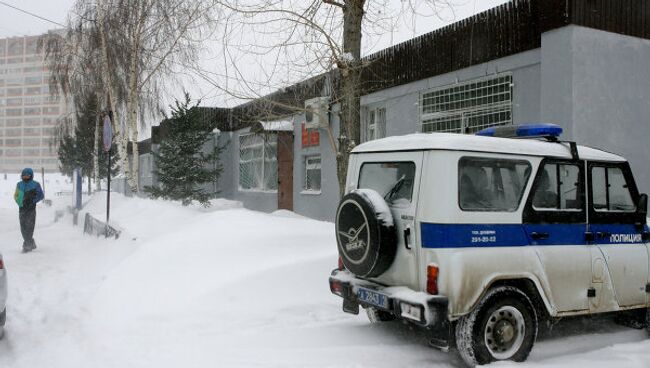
(217,287)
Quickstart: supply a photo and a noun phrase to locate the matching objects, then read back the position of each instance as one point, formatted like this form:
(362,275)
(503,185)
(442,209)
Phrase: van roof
(474,143)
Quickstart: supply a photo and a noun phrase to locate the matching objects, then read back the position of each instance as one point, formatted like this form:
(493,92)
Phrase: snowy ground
(218,287)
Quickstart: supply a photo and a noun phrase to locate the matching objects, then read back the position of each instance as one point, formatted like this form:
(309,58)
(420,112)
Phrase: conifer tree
(75,151)
(183,166)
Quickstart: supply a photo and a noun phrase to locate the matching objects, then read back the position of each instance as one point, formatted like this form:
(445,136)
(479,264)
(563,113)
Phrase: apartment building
(28,112)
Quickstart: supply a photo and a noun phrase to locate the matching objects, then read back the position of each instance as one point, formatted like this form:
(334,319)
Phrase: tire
(504,310)
(3,320)
(647,321)
(365,234)
(377,316)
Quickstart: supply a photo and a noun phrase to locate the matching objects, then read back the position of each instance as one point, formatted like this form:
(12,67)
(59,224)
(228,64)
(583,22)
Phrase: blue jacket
(28,193)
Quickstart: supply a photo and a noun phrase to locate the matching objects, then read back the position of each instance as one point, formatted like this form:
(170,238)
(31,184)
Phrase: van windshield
(488,184)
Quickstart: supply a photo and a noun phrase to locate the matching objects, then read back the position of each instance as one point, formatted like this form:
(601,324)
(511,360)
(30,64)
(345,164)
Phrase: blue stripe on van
(499,235)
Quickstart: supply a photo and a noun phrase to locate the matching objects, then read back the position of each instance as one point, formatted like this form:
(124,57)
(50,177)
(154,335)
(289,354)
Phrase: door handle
(407,237)
(539,235)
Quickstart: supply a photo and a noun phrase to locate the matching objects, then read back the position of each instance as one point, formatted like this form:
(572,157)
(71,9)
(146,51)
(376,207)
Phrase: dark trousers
(27,222)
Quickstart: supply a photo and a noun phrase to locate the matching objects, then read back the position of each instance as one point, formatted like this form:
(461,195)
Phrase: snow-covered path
(226,287)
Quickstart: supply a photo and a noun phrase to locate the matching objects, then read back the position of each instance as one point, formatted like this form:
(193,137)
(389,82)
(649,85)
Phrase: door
(555,220)
(285,171)
(612,215)
(396,177)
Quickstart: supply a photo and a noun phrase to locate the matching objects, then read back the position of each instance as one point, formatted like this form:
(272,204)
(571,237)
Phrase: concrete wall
(596,85)
(319,205)
(611,92)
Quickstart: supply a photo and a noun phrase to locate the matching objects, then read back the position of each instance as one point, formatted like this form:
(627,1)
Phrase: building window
(258,164)
(374,125)
(312,174)
(469,107)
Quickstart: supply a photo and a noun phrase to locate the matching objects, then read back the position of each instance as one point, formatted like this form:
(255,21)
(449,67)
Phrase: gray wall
(323,205)
(596,84)
(401,102)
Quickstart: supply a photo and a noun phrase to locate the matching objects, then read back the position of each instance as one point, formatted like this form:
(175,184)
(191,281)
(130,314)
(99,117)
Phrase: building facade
(577,63)
(28,112)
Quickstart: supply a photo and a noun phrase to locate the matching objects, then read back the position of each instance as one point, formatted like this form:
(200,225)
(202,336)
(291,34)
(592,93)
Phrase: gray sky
(15,23)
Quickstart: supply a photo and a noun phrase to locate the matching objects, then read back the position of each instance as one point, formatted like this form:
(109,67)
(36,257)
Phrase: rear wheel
(376,316)
(502,327)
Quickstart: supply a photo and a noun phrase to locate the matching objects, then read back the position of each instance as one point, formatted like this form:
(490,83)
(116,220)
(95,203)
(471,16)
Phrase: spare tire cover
(365,233)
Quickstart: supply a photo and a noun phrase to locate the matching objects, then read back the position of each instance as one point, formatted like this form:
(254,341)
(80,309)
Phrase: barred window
(469,107)
(258,164)
(312,173)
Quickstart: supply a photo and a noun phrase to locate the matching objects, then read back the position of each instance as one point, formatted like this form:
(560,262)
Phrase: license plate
(373,298)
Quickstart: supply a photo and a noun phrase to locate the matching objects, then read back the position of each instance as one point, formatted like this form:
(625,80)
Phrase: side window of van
(392,180)
(487,184)
(558,188)
(610,190)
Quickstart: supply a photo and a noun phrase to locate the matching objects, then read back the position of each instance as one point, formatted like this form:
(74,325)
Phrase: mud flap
(350,306)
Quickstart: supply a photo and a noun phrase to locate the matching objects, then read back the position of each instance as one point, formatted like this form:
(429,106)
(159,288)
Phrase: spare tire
(365,233)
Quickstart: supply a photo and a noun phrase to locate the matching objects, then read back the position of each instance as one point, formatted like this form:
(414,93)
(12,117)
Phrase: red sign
(310,137)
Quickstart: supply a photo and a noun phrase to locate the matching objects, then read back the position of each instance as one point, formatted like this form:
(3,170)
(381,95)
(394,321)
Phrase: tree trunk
(132,107)
(350,68)
(96,156)
(120,136)
(90,179)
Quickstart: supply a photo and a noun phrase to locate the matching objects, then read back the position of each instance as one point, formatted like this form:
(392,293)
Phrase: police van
(482,239)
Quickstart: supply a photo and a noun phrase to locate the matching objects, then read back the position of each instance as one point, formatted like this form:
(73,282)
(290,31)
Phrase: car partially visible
(3,295)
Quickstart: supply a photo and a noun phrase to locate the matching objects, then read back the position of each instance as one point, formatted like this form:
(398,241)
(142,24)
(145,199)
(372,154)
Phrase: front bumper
(414,306)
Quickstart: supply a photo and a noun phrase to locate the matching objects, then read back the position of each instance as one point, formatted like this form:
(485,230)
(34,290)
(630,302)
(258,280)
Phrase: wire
(32,14)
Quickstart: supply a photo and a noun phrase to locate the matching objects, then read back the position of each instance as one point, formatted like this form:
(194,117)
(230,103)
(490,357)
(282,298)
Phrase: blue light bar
(551,131)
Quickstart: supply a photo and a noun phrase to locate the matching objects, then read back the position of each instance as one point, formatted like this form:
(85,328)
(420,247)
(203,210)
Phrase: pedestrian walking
(28,193)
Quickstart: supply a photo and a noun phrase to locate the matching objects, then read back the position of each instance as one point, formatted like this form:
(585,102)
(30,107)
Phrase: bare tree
(134,47)
(314,37)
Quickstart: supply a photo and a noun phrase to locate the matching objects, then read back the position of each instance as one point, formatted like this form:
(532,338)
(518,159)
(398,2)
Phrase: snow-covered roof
(278,125)
(464,142)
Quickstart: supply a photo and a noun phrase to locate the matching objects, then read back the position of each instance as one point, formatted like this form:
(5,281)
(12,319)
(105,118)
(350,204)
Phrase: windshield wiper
(395,188)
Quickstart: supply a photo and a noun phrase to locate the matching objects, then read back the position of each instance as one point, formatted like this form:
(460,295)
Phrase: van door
(396,177)
(555,220)
(612,215)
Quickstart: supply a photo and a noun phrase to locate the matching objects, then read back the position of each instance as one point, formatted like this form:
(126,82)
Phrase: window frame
(492,159)
(264,138)
(557,216)
(375,121)
(306,168)
(613,217)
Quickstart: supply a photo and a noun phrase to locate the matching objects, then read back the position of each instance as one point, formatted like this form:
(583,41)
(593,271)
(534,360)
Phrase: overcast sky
(15,23)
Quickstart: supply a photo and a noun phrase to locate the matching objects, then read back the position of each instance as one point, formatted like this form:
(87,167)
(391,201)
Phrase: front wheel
(503,326)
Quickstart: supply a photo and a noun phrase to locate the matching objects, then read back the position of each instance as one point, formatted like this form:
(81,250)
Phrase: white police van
(481,239)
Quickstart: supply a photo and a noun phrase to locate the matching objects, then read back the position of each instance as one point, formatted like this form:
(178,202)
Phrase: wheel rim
(504,332)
